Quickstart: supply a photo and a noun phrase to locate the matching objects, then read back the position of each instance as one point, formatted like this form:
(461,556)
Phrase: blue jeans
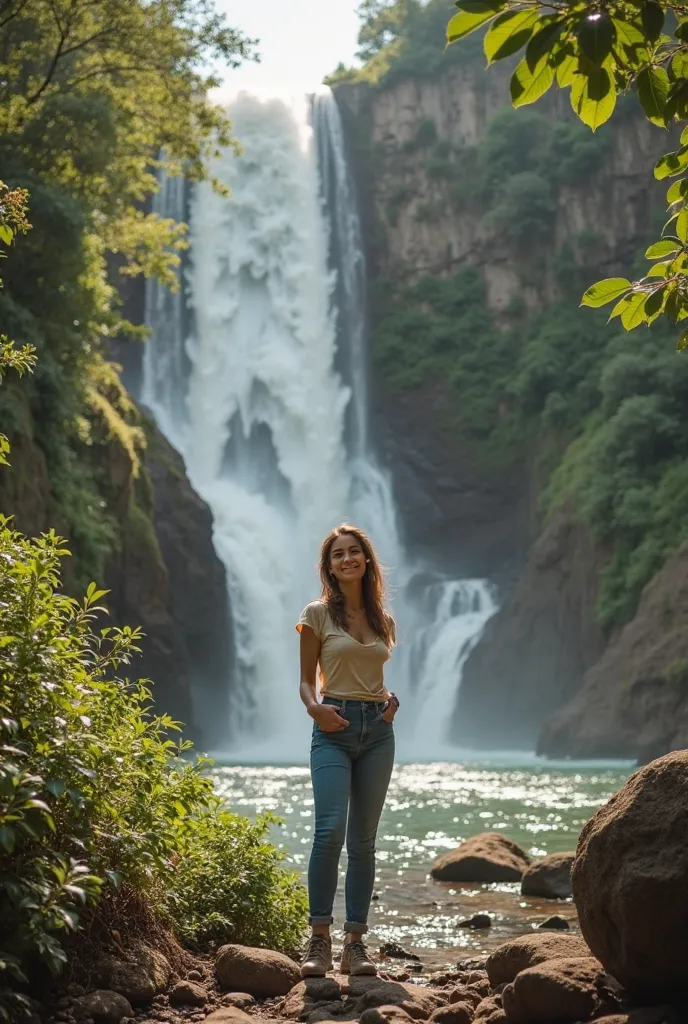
(351,770)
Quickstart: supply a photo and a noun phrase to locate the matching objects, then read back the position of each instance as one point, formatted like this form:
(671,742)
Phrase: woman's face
(347,559)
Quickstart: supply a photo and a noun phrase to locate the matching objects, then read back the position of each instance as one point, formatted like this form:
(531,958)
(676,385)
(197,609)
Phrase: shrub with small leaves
(94,792)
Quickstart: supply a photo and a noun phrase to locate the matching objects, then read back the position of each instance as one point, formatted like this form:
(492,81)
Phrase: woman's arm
(324,714)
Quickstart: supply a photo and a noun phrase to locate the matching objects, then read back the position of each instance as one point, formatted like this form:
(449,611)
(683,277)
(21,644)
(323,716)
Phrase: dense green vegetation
(97,801)
(611,426)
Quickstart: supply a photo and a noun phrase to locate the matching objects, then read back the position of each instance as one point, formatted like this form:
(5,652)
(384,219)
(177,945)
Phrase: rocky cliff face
(163,575)
(410,144)
(634,699)
(167,578)
(535,651)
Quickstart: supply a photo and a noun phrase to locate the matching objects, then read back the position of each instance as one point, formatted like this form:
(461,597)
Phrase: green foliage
(524,208)
(439,333)
(228,882)
(95,793)
(600,52)
(13,220)
(628,469)
(400,38)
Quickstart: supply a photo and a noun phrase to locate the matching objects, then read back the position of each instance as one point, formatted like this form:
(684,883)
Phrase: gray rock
(105,1006)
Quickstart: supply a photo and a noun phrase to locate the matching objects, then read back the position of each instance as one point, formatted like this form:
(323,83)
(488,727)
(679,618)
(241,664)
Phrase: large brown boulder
(549,878)
(558,990)
(260,972)
(488,857)
(630,880)
(528,950)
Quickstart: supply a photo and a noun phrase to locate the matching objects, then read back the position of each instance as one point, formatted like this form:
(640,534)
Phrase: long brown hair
(373,588)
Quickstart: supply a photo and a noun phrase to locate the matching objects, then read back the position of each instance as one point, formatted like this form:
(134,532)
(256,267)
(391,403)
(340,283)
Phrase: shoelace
(317,945)
(357,951)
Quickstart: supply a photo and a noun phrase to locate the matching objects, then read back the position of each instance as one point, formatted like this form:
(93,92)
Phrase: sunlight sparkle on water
(430,809)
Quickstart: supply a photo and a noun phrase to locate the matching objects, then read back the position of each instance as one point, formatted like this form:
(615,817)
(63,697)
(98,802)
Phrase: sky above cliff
(300,41)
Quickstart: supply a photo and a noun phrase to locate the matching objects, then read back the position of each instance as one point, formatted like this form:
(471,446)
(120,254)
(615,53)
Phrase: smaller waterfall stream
(258,374)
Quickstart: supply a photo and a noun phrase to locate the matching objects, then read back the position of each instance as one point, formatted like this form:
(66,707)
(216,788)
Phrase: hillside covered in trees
(485,225)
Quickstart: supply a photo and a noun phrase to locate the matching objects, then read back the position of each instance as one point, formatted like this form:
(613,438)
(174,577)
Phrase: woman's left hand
(389,712)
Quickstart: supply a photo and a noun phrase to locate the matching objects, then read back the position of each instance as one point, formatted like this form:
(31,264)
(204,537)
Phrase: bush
(94,792)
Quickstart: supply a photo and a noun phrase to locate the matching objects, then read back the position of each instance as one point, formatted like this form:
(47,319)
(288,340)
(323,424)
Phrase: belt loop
(343,707)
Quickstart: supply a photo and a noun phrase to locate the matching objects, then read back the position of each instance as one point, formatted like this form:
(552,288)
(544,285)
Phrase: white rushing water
(258,374)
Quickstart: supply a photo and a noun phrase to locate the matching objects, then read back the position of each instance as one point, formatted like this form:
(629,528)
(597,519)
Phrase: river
(430,809)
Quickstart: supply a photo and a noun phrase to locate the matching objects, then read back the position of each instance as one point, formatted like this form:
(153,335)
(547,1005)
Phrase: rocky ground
(629,879)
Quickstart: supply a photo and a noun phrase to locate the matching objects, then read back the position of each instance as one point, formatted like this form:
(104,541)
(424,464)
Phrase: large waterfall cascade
(257,371)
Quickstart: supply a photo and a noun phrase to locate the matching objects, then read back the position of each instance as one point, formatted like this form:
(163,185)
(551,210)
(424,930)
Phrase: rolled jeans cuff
(320,920)
(357,929)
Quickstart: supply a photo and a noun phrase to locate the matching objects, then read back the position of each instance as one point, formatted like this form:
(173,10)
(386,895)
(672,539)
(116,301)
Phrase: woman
(350,635)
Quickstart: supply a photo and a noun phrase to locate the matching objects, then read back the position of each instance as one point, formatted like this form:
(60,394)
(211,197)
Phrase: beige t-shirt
(348,669)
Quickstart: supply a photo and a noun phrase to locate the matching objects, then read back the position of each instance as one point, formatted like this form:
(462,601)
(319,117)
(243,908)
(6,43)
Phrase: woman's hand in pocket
(327,718)
(389,712)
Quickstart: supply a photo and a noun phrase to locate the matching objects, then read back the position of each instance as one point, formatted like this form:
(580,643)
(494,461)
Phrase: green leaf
(544,41)
(602,292)
(673,304)
(655,301)
(621,305)
(634,313)
(631,41)
(6,234)
(593,97)
(677,191)
(567,71)
(528,86)
(682,343)
(682,225)
(672,164)
(659,269)
(653,92)
(596,37)
(664,248)
(464,23)
(508,33)
(8,838)
(652,17)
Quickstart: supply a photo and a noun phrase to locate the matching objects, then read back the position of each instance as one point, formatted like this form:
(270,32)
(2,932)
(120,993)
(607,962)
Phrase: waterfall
(257,371)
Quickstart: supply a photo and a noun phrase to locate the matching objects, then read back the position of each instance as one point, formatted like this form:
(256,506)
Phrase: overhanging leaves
(593,97)
(528,86)
(602,292)
(508,33)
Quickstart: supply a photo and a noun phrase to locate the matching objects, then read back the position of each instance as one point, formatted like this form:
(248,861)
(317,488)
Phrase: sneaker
(355,959)
(317,960)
